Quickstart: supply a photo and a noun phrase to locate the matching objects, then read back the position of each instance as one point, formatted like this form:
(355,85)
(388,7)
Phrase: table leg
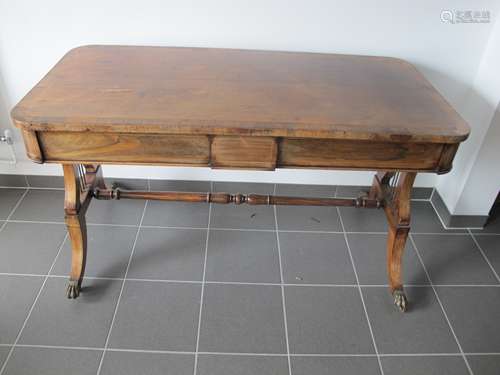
(395,189)
(79,181)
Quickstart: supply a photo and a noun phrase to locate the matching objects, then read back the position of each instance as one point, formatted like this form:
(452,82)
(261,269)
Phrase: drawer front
(125,148)
(244,152)
(332,153)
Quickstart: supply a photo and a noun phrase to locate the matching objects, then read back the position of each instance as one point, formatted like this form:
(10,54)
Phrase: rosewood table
(244,109)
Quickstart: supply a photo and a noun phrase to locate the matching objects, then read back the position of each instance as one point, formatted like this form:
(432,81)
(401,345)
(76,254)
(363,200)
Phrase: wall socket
(7,137)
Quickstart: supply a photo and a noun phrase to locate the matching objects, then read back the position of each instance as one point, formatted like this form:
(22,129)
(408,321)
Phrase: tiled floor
(177,288)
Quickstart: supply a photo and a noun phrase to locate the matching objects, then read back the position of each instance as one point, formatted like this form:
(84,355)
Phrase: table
(244,109)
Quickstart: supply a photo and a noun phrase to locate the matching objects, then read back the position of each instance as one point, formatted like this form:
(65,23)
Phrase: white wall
(473,184)
(34,35)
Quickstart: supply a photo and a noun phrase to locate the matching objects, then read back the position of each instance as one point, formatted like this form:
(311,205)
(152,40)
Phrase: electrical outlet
(7,137)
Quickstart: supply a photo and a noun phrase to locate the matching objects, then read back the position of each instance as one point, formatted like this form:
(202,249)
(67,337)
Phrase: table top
(175,90)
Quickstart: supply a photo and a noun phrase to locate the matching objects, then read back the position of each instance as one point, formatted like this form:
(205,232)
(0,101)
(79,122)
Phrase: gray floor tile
(347,191)
(370,258)
(128,212)
(422,329)
(4,351)
(55,320)
(363,219)
(8,200)
(45,361)
(242,318)
(109,249)
(326,320)
(315,258)
(493,224)
(41,205)
(335,365)
(17,294)
(491,247)
(430,365)
(169,254)
(180,185)
(29,247)
(157,316)
(484,364)
(242,216)
(241,365)
(14,180)
(127,183)
(474,313)
(453,259)
(350,191)
(176,214)
(425,220)
(308,218)
(242,256)
(133,363)
(46,181)
(324,191)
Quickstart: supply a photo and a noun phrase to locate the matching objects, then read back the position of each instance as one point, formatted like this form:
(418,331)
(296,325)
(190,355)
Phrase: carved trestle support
(390,190)
(394,188)
(79,182)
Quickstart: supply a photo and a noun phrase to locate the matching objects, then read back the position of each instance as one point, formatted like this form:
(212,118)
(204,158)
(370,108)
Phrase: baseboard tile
(450,221)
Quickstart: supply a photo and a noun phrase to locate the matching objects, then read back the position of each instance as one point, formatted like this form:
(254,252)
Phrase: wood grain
(349,154)
(244,152)
(238,92)
(125,148)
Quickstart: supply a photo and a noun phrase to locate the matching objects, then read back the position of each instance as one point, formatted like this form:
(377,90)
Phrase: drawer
(348,154)
(244,152)
(160,149)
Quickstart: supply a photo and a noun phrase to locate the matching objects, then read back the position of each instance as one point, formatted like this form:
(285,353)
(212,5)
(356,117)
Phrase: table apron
(237,152)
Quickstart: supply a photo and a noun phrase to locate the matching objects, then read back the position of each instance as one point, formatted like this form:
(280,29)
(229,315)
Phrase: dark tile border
(456,221)
(49,182)
(350,191)
(13,180)
(346,191)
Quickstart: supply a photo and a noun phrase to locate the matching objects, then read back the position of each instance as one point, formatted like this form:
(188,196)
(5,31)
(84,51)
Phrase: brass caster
(73,289)
(400,300)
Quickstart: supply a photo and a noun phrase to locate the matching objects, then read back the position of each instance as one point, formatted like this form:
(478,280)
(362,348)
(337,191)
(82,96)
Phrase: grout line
(236,354)
(167,227)
(361,294)
(90,277)
(444,225)
(2,369)
(13,209)
(121,289)
(32,188)
(437,214)
(484,256)
(27,181)
(255,283)
(59,347)
(245,229)
(195,368)
(335,191)
(441,305)
(285,320)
